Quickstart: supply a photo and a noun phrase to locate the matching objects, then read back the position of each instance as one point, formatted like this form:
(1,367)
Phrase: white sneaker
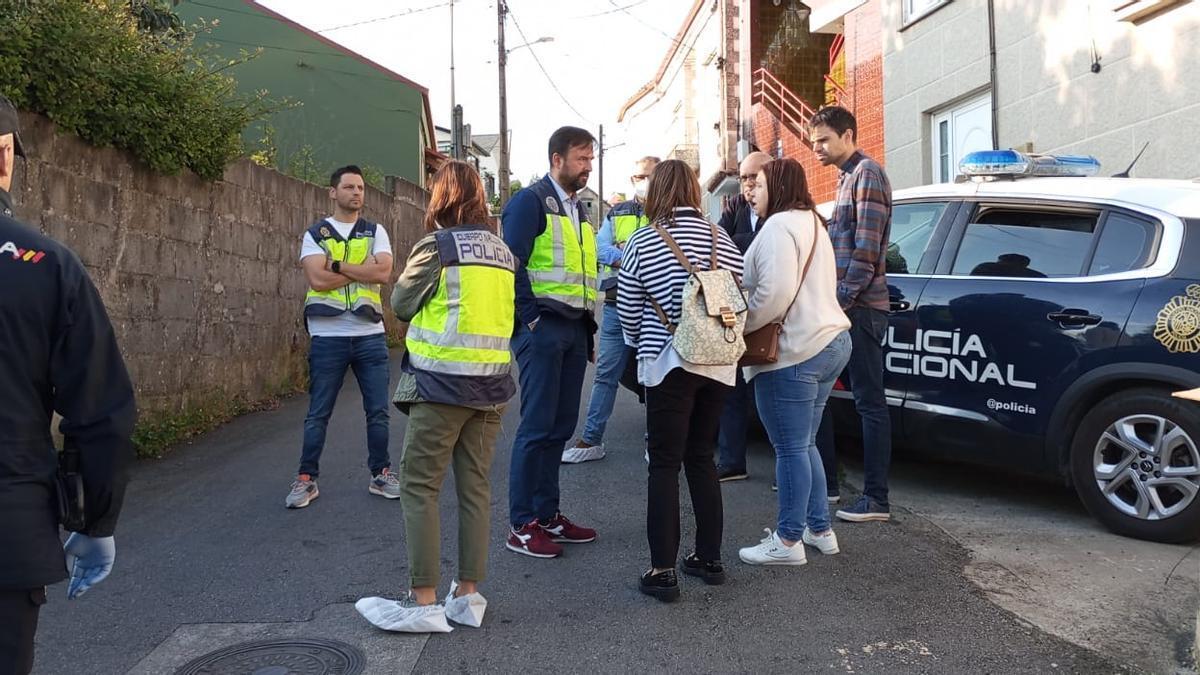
(467,610)
(825,543)
(772,551)
(404,616)
(576,454)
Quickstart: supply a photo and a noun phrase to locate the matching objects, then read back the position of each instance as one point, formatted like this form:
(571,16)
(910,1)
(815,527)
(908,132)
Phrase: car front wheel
(1135,461)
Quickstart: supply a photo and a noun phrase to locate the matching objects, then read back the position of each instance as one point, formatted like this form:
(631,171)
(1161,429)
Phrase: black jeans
(18,623)
(682,416)
(864,376)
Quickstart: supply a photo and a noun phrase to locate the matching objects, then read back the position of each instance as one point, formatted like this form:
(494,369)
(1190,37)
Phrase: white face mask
(640,188)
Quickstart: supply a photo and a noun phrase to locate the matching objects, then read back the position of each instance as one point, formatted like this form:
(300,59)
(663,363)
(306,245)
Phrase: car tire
(1114,449)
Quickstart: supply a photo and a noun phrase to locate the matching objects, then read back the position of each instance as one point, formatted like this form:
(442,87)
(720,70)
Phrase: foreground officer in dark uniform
(57,353)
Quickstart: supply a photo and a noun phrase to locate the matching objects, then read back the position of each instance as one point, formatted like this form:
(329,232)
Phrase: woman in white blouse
(791,278)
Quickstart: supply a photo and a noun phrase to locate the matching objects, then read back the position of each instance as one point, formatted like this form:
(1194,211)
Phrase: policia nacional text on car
(59,354)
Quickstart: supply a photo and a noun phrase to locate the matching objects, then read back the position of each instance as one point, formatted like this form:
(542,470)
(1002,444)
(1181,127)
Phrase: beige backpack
(713,311)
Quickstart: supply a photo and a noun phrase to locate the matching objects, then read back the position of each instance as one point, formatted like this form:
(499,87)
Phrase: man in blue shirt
(546,228)
(741,222)
(622,221)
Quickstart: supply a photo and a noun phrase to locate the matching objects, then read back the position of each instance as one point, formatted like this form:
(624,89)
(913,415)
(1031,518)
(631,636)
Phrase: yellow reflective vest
(464,328)
(360,299)
(627,217)
(563,267)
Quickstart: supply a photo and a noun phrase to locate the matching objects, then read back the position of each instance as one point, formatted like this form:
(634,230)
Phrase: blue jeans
(864,376)
(790,403)
(731,440)
(552,362)
(610,363)
(328,358)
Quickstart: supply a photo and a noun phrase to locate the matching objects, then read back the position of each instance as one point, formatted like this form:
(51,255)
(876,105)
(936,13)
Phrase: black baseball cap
(9,124)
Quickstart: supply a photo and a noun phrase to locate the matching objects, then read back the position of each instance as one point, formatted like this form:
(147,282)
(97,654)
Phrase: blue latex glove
(90,560)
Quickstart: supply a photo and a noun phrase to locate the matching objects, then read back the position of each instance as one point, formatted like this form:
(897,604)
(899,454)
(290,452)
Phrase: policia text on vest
(464,328)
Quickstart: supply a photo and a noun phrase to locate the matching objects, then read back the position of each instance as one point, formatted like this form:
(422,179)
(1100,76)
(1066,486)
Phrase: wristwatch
(336,267)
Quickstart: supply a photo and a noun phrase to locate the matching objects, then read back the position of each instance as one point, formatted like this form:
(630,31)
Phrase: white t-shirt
(343,325)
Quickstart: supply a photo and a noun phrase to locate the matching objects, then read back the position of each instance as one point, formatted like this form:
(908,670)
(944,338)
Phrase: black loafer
(664,585)
(711,571)
(726,474)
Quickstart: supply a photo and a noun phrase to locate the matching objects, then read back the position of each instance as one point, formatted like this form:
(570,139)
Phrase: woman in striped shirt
(683,400)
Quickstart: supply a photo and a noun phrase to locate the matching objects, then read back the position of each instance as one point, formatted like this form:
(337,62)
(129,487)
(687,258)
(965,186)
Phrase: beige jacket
(774,262)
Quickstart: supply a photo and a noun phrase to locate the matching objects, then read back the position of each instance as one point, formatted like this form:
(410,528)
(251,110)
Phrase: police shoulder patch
(552,204)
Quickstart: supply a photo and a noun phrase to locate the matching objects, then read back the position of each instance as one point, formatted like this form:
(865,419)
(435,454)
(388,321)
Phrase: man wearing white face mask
(619,225)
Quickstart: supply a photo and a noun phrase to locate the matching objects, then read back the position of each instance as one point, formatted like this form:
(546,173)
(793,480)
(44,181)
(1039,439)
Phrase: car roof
(1177,197)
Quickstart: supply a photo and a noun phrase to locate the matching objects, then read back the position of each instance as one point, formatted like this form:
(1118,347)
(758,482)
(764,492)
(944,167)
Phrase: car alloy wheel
(1147,467)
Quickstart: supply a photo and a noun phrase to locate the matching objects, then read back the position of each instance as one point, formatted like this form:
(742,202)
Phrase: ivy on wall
(111,73)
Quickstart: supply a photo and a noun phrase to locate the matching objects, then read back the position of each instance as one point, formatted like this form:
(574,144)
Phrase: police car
(1041,319)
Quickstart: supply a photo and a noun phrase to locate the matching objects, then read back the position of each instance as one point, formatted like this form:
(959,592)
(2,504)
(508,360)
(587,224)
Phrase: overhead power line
(613,11)
(538,61)
(389,17)
(625,10)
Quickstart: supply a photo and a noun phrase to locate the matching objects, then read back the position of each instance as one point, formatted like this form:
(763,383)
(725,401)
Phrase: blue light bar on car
(1013,163)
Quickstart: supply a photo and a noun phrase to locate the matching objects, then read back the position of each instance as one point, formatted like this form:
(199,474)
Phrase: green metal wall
(350,112)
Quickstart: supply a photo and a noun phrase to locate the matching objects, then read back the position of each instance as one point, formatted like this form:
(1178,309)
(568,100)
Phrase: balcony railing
(784,103)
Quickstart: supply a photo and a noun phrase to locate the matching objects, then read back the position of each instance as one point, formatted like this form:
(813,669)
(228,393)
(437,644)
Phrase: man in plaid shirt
(861,223)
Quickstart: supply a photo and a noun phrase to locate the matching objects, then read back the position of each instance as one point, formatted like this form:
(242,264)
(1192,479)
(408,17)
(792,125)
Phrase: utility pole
(502,59)
(600,206)
(455,134)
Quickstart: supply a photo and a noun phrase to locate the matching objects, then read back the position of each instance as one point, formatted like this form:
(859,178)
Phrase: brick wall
(863,53)
(864,75)
(202,280)
(775,139)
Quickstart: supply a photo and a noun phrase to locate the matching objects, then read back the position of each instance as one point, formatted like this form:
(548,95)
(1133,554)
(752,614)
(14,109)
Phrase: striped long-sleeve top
(649,269)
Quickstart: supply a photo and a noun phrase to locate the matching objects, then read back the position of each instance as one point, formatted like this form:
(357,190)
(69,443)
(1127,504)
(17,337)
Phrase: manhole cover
(303,656)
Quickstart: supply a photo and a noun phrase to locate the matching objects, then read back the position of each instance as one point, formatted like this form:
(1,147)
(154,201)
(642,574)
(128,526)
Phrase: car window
(912,225)
(1002,242)
(1126,243)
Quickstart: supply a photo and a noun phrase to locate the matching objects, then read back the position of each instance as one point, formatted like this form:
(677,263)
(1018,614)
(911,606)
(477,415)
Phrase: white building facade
(1098,78)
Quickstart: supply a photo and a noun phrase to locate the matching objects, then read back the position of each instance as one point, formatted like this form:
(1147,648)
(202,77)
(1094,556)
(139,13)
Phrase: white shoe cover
(404,616)
(467,610)
(578,455)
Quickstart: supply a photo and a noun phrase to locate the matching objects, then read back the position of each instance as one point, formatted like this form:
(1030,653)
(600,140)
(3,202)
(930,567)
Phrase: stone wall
(202,280)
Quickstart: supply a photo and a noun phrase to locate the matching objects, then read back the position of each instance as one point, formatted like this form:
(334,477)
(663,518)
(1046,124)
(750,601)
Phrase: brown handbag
(762,345)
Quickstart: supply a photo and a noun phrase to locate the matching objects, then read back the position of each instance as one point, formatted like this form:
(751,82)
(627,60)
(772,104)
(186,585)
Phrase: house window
(957,130)
(916,9)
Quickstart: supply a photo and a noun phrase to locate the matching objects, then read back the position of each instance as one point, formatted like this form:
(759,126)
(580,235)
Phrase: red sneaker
(563,531)
(533,541)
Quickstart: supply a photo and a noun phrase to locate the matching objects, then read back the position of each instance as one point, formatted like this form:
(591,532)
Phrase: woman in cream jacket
(814,347)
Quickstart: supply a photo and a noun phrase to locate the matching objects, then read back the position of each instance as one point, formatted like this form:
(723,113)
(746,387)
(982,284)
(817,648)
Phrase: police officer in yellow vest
(456,292)
(345,258)
(623,220)
(556,287)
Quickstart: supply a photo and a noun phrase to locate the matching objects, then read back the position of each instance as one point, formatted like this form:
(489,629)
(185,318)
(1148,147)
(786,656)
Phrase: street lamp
(544,38)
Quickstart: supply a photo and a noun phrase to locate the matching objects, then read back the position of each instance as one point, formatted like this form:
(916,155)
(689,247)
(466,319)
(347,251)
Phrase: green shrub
(88,66)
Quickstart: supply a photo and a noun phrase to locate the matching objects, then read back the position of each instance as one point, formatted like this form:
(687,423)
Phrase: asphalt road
(207,555)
